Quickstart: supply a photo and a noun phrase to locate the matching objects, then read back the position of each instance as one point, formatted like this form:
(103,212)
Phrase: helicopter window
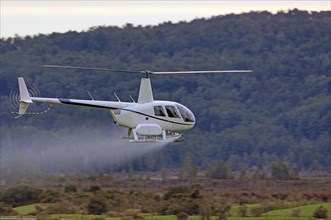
(172,112)
(159,111)
(186,114)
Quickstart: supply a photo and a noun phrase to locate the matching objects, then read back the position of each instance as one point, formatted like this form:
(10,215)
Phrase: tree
(164,175)
(294,173)
(280,171)
(220,171)
(21,195)
(189,170)
(243,172)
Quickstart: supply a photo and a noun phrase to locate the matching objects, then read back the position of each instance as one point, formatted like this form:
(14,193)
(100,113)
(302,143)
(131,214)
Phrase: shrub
(223,211)
(97,206)
(112,214)
(49,196)
(94,189)
(321,212)
(6,209)
(182,216)
(204,211)
(62,208)
(170,208)
(257,212)
(176,190)
(137,217)
(196,194)
(242,211)
(280,196)
(41,216)
(21,195)
(296,213)
(70,188)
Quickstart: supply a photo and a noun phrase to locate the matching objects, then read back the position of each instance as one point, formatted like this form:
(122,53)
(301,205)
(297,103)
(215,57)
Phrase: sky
(26,17)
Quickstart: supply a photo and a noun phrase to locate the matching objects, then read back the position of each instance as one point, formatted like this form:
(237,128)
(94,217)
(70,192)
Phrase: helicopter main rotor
(148,72)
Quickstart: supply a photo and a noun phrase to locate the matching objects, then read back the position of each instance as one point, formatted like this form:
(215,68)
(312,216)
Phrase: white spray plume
(71,150)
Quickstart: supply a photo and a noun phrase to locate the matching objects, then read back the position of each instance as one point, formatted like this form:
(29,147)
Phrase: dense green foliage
(21,195)
(279,112)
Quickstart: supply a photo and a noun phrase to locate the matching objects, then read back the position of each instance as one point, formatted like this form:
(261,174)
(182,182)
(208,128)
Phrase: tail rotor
(25,99)
(22,99)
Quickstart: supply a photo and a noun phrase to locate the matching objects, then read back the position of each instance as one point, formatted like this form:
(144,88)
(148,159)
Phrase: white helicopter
(148,120)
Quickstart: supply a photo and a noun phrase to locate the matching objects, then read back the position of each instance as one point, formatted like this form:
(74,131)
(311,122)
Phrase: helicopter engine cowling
(148,129)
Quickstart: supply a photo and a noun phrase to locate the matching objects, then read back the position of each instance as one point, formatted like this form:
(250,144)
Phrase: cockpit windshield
(172,112)
(186,114)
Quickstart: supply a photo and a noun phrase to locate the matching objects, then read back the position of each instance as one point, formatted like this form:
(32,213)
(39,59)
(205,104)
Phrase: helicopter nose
(193,123)
(187,116)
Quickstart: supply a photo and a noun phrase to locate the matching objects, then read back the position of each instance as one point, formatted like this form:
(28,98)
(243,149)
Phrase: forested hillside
(281,111)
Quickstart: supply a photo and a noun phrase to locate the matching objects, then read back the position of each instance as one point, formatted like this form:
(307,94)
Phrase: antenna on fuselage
(132,99)
(90,95)
(117,97)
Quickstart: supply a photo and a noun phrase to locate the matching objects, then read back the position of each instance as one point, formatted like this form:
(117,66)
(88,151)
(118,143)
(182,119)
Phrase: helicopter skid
(170,137)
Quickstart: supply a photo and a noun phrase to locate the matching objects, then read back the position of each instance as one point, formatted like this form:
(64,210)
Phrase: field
(109,198)
(306,212)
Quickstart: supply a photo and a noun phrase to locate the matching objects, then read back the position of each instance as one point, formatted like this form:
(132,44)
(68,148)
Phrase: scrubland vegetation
(123,197)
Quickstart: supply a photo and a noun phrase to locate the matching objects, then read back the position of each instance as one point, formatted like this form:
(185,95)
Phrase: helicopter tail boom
(26,100)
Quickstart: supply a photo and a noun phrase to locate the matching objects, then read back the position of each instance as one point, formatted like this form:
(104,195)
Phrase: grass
(173,217)
(26,210)
(235,208)
(79,217)
(163,217)
(305,211)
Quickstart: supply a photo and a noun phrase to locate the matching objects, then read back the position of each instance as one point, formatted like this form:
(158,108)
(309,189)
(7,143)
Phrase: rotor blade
(207,71)
(91,68)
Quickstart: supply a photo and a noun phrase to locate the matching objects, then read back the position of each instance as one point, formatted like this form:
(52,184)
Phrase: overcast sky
(26,17)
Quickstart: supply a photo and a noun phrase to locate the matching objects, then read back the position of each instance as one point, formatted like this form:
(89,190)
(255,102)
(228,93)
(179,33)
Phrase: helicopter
(147,120)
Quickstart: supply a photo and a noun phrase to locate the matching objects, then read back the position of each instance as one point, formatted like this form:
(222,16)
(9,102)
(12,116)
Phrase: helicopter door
(172,113)
(159,111)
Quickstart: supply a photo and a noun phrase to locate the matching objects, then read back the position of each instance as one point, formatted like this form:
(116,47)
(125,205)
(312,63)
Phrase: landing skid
(166,137)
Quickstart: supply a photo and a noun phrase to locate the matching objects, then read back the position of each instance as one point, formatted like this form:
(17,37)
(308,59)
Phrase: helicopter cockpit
(186,114)
(174,111)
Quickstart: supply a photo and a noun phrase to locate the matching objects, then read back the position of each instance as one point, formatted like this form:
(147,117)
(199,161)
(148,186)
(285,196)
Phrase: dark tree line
(279,112)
